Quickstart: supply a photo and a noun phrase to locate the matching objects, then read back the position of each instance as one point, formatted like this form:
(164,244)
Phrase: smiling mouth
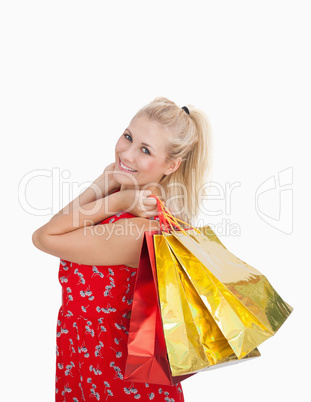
(125,168)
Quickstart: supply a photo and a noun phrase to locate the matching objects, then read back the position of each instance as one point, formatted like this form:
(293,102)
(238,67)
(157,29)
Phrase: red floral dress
(92,334)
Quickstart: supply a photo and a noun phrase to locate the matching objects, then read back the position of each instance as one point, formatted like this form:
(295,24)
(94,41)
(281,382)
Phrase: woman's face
(142,148)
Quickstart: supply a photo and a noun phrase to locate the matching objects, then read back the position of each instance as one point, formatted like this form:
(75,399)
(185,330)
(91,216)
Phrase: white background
(73,74)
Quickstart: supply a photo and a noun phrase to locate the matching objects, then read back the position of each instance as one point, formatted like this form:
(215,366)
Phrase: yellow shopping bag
(215,308)
(194,341)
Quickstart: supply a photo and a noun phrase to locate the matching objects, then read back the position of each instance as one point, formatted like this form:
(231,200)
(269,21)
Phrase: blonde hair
(189,137)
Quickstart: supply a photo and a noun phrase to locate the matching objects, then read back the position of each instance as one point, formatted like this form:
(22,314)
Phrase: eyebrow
(143,143)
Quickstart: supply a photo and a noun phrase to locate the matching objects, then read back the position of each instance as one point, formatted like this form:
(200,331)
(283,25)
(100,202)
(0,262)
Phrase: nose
(128,155)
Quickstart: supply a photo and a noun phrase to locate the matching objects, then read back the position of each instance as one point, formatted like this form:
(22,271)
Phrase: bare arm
(81,216)
(116,243)
(100,188)
(75,217)
(70,234)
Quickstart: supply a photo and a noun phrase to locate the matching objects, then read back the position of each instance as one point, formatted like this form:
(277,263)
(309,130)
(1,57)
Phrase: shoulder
(136,225)
(121,216)
(116,243)
(124,240)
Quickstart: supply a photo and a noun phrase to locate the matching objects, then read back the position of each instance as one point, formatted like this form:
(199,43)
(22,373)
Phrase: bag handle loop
(166,217)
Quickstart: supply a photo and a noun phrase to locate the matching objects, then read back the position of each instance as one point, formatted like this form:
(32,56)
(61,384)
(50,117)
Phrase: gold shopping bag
(232,306)
(241,300)
(194,342)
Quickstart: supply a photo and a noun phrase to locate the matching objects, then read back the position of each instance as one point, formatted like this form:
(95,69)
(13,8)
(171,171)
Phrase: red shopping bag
(147,359)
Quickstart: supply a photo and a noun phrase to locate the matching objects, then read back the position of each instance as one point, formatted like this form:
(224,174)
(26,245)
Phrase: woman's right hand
(138,203)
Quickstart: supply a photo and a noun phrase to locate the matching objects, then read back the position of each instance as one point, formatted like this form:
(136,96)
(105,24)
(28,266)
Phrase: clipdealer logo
(274,201)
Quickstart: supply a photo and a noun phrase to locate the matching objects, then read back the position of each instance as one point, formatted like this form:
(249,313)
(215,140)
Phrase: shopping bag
(240,299)
(148,358)
(245,306)
(193,339)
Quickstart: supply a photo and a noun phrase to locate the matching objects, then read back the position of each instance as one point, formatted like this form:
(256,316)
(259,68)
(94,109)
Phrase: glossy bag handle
(166,218)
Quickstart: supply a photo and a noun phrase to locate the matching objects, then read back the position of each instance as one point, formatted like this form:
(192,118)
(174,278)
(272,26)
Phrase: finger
(150,214)
(150,206)
(150,201)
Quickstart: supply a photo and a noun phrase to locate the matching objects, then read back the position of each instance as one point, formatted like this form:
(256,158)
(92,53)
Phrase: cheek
(120,145)
(151,165)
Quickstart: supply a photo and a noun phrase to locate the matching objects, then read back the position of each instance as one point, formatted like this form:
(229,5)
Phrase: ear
(173,166)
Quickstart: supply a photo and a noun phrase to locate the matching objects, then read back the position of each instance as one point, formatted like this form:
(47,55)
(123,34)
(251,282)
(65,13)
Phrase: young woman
(166,151)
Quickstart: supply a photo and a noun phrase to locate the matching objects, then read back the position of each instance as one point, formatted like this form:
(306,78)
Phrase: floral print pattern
(92,334)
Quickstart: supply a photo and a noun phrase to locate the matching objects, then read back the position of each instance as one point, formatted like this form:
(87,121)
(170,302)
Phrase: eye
(130,139)
(148,153)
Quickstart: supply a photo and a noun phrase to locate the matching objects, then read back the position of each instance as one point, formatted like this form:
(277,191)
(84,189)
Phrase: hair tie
(186,109)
